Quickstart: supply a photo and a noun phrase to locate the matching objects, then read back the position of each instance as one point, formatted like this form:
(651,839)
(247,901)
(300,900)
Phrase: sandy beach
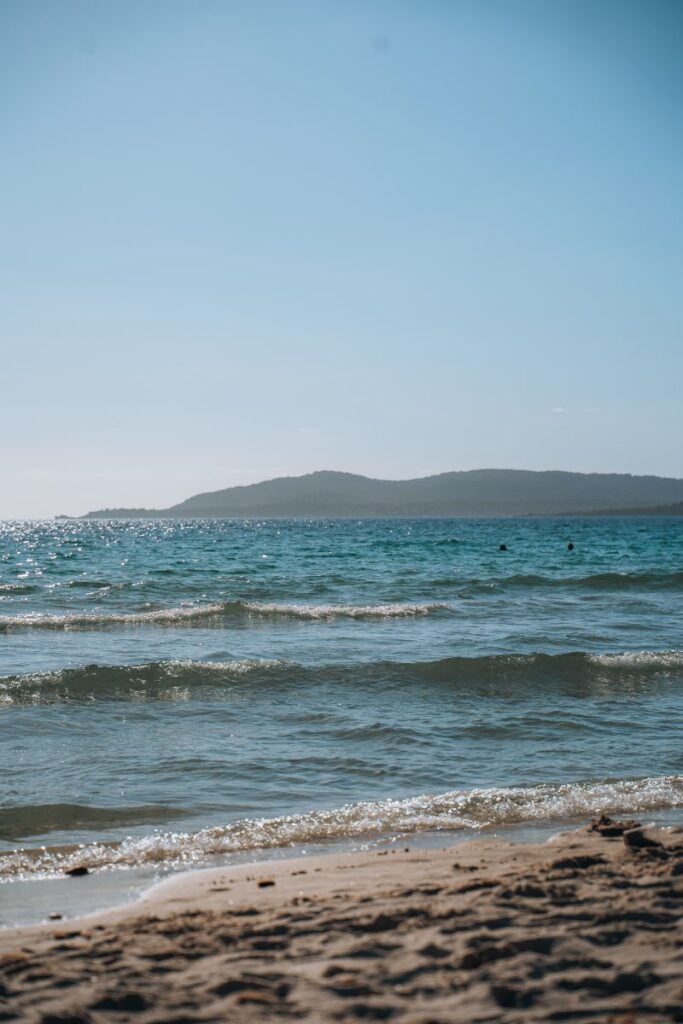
(585,927)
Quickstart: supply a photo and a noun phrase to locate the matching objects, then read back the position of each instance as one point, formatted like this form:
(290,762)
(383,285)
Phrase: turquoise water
(170,690)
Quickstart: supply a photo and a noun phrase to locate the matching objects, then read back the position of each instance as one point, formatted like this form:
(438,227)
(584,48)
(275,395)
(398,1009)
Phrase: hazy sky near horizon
(248,239)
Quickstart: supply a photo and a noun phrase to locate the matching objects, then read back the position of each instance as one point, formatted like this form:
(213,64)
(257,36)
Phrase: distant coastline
(481,492)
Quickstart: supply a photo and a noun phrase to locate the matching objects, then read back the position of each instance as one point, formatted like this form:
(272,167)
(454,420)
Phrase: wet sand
(587,927)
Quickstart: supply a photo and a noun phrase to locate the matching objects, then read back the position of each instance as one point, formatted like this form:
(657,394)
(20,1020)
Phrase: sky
(240,240)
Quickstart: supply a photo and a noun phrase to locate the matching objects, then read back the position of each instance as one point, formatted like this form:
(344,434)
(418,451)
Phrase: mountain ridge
(477,492)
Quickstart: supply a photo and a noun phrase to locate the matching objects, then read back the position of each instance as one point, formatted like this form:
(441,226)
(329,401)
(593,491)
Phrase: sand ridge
(585,928)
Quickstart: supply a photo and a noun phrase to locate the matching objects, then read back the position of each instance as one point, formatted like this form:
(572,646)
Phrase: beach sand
(586,927)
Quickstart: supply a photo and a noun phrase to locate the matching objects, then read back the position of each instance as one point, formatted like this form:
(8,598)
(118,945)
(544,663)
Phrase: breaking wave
(474,809)
(220,611)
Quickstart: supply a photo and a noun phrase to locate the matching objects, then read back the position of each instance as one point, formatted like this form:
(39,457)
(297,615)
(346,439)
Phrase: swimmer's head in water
(503,547)
(570,546)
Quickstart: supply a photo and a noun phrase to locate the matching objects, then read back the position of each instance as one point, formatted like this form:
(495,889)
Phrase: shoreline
(33,899)
(584,926)
(29,901)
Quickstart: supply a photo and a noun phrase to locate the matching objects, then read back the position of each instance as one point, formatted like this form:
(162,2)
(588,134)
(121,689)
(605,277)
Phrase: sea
(178,693)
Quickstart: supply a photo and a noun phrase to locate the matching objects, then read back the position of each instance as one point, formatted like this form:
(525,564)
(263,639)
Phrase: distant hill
(479,492)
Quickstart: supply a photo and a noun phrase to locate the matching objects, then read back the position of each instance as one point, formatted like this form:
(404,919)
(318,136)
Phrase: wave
(455,810)
(576,672)
(596,581)
(160,680)
(98,620)
(223,611)
(572,668)
(18,588)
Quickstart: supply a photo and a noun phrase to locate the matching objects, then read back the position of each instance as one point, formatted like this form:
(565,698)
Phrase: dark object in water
(503,547)
(80,869)
(570,546)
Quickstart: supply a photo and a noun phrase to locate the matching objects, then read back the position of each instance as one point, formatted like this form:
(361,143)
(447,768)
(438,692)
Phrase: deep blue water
(188,687)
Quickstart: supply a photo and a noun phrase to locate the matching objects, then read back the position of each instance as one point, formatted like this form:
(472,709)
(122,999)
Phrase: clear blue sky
(246,239)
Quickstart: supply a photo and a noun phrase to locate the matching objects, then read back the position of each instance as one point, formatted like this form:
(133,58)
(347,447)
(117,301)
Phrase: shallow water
(175,690)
